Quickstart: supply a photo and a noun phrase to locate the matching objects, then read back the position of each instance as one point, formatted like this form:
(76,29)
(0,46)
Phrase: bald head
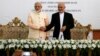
(61,7)
(38,6)
(18,53)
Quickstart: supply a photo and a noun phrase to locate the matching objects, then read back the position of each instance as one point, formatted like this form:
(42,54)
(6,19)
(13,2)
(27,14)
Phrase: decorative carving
(22,24)
(16,22)
(10,24)
(78,25)
(14,30)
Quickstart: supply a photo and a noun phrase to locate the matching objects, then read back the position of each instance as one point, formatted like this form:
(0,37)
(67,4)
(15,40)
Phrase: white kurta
(38,20)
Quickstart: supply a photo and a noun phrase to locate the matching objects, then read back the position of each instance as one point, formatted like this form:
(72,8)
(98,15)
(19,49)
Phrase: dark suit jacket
(55,22)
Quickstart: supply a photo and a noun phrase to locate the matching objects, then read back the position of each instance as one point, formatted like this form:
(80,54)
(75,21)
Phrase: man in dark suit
(62,22)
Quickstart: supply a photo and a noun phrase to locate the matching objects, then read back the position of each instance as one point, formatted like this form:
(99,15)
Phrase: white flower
(42,41)
(4,41)
(85,41)
(49,42)
(32,46)
(68,45)
(35,45)
(45,46)
(26,46)
(54,46)
(22,46)
(95,41)
(98,46)
(68,41)
(49,46)
(38,41)
(9,40)
(64,46)
(23,41)
(45,41)
(64,41)
(40,45)
(89,46)
(33,42)
(81,41)
(61,42)
(84,45)
(59,46)
(74,47)
(72,41)
(57,41)
(80,45)
(13,40)
(27,39)
(93,45)
(11,45)
(53,41)
(19,45)
(1,46)
(28,42)
(89,41)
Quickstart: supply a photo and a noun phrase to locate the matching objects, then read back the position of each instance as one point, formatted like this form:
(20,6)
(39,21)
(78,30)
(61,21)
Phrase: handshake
(42,28)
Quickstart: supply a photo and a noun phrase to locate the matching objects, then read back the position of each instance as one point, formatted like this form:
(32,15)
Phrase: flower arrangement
(48,45)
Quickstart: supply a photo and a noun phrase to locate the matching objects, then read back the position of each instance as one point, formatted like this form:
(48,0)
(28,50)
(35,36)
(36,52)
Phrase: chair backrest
(14,30)
(80,31)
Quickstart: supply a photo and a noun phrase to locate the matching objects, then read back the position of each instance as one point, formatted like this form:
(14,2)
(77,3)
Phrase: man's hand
(42,28)
(63,29)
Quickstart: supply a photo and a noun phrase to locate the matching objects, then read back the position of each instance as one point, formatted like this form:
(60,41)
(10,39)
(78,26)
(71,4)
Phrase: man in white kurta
(36,21)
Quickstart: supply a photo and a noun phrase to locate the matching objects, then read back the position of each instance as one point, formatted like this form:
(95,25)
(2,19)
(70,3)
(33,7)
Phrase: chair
(80,32)
(14,30)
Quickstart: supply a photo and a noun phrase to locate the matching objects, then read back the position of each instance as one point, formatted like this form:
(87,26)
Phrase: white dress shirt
(61,23)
